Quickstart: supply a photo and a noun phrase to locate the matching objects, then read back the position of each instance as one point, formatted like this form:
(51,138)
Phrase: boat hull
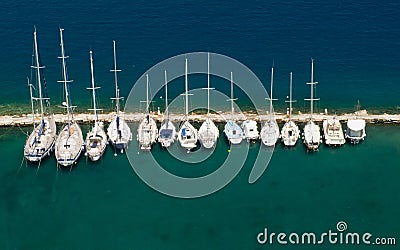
(40,142)
(188,136)
(96,142)
(147,133)
(312,136)
(250,130)
(333,133)
(32,157)
(67,161)
(120,145)
(233,132)
(208,134)
(355,131)
(269,133)
(290,134)
(167,134)
(69,145)
(119,133)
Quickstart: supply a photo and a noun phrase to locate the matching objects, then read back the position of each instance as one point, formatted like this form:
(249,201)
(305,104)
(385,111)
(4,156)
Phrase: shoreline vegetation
(26,119)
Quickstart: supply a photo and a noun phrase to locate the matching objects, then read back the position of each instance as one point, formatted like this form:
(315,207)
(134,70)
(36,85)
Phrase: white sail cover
(356,125)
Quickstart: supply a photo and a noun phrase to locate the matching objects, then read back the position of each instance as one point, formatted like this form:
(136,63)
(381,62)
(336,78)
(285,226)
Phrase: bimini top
(356,125)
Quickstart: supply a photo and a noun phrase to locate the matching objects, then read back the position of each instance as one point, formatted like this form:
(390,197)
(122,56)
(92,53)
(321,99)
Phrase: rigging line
(115,151)
(20,166)
(22,131)
(62,90)
(37,170)
(46,94)
(70,101)
(33,59)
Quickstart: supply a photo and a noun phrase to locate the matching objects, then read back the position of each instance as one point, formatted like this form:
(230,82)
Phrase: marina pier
(26,119)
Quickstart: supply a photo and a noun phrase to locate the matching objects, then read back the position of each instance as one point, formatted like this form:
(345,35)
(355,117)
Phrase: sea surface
(104,205)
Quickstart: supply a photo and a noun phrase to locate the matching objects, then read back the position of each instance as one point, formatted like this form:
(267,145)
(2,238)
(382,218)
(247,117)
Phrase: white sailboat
(118,131)
(208,132)
(333,132)
(250,130)
(232,130)
(270,131)
(355,131)
(167,133)
(290,131)
(69,143)
(312,135)
(96,138)
(187,135)
(147,131)
(41,141)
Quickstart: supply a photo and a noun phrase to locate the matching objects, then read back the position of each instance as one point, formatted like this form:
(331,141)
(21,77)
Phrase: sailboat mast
(186,90)
(232,94)
(166,96)
(270,99)
(290,96)
(37,67)
(208,84)
(32,106)
(312,83)
(115,70)
(147,93)
(312,89)
(65,81)
(93,88)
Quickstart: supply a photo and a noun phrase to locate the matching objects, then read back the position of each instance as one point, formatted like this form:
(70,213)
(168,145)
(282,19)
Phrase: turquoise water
(105,205)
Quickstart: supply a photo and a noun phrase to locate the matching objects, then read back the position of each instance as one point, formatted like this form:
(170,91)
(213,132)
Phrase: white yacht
(290,131)
(208,132)
(333,132)
(312,135)
(270,131)
(187,135)
(232,130)
(167,133)
(118,131)
(250,130)
(41,141)
(147,131)
(355,131)
(69,143)
(96,138)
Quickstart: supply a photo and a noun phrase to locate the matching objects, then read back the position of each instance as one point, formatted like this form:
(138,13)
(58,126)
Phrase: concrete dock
(26,120)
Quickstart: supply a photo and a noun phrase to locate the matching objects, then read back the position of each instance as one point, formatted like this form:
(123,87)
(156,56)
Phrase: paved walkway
(24,120)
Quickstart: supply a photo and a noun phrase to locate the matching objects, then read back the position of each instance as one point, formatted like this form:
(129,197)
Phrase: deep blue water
(355,45)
